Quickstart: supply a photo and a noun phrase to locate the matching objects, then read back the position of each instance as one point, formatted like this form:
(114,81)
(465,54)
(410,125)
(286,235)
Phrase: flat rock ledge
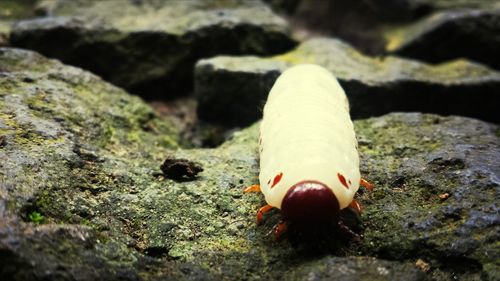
(232,90)
(150,47)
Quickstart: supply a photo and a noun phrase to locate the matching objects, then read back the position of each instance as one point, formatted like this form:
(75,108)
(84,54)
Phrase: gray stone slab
(232,90)
(450,34)
(150,47)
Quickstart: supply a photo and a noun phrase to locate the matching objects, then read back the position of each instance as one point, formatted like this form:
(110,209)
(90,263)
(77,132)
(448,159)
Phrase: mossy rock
(450,34)
(12,10)
(150,47)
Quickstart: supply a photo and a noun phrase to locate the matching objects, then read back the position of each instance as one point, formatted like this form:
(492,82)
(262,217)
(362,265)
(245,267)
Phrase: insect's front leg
(252,188)
(355,206)
(260,213)
(264,209)
(366,184)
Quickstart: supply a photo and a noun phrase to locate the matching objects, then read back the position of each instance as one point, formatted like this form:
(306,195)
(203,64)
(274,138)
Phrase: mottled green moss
(36,217)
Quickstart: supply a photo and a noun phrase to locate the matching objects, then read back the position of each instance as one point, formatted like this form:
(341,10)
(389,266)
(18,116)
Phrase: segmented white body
(307,134)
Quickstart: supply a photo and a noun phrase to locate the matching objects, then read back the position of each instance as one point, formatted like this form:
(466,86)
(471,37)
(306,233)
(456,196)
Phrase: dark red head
(310,202)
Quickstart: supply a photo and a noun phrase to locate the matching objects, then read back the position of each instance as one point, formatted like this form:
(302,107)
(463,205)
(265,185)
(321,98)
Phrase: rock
(180,169)
(362,22)
(232,90)
(379,11)
(150,47)
(79,199)
(10,11)
(57,125)
(335,268)
(471,34)
(440,155)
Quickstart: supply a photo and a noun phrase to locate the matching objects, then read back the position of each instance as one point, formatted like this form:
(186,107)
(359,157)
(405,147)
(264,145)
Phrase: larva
(309,163)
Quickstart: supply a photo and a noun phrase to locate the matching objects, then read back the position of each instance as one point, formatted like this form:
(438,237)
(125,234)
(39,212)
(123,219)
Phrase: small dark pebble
(180,169)
(28,80)
(3,141)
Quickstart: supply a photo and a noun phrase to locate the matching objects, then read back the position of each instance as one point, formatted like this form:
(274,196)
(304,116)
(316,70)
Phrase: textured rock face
(81,199)
(444,193)
(232,90)
(61,133)
(334,268)
(472,34)
(150,47)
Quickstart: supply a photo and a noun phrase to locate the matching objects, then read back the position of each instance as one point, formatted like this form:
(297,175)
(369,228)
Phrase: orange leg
(366,184)
(252,188)
(356,206)
(262,211)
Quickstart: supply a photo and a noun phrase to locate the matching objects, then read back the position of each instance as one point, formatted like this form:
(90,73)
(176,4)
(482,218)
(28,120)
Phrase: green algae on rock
(232,90)
(63,131)
(441,155)
(471,34)
(150,47)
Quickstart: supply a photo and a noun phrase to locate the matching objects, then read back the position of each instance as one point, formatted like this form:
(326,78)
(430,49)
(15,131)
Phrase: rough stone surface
(355,269)
(362,22)
(444,183)
(81,198)
(62,132)
(472,34)
(150,47)
(232,90)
